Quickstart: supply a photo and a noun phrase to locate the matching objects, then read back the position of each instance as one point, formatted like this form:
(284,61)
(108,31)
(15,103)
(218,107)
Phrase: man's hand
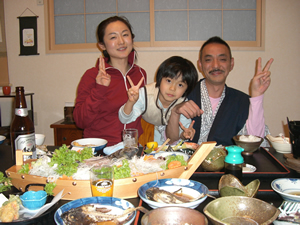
(189,109)
(261,80)
(133,92)
(102,78)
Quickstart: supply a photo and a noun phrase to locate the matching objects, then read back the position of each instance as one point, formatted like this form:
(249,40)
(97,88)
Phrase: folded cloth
(111,149)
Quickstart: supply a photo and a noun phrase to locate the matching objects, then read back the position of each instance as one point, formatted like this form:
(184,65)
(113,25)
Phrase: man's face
(216,63)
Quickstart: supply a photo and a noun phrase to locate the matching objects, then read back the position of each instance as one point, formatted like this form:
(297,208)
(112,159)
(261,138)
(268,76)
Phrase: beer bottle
(22,133)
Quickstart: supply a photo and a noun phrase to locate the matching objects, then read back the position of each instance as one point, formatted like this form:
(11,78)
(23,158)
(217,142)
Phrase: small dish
(249,168)
(33,199)
(288,188)
(189,187)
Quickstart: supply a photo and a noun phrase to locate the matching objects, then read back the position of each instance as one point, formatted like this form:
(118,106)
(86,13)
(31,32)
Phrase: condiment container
(234,161)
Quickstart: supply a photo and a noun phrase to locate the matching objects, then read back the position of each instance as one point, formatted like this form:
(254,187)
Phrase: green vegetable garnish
(49,187)
(24,168)
(5,183)
(67,160)
(122,171)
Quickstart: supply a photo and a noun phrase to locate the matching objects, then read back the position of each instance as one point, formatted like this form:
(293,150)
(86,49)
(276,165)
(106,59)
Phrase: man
(221,112)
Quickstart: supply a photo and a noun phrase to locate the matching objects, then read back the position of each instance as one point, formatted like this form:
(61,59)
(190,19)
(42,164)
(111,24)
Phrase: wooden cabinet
(65,133)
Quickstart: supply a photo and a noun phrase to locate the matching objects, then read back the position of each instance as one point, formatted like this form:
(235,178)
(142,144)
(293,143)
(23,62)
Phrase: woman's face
(117,40)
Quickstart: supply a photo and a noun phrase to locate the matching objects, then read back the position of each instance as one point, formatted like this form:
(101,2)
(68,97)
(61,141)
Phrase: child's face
(171,89)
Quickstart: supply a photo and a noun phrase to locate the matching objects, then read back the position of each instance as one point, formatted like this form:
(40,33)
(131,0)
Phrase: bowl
(2,139)
(248,146)
(116,205)
(214,160)
(39,139)
(33,199)
(279,145)
(96,143)
(193,189)
(240,210)
(230,185)
(288,188)
(174,215)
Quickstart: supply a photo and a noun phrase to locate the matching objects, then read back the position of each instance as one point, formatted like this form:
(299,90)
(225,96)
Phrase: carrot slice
(174,164)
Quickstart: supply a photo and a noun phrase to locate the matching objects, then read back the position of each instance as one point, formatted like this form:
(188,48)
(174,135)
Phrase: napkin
(111,149)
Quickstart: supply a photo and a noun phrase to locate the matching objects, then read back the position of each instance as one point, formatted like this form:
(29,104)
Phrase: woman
(103,89)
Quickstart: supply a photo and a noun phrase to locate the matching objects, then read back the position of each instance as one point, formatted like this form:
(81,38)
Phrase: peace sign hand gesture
(188,133)
(261,80)
(133,92)
(102,78)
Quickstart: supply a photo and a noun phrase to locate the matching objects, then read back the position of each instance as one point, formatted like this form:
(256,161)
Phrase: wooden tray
(266,166)
(123,188)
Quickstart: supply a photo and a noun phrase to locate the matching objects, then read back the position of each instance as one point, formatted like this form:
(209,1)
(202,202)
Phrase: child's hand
(133,92)
(102,78)
(188,133)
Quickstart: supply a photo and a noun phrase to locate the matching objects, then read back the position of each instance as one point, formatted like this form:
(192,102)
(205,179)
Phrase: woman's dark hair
(175,66)
(102,26)
(216,40)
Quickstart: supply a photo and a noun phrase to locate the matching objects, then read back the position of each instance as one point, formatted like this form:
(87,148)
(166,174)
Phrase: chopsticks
(163,145)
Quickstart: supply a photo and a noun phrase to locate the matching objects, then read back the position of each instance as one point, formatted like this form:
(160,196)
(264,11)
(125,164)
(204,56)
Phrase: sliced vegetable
(5,183)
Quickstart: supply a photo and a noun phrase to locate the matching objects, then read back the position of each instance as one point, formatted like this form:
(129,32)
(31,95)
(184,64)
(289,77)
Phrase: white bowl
(192,188)
(2,138)
(39,139)
(96,143)
(282,147)
(286,186)
(165,154)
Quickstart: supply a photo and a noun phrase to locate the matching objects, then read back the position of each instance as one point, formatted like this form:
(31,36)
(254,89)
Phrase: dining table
(269,166)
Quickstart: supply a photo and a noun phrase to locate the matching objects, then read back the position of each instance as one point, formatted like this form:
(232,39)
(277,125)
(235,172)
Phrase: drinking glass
(130,140)
(102,180)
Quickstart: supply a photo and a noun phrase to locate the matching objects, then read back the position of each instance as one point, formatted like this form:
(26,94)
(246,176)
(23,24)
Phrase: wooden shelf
(65,133)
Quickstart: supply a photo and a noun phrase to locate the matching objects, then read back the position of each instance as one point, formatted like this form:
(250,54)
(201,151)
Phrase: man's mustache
(216,70)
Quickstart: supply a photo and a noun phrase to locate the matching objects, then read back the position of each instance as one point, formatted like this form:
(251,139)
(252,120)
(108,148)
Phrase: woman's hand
(102,78)
(188,133)
(133,92)
(261,80)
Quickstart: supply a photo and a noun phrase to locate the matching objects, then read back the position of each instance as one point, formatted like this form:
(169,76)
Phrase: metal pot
(174,215)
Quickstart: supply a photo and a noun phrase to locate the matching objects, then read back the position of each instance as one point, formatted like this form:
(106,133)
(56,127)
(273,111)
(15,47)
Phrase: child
(175,79)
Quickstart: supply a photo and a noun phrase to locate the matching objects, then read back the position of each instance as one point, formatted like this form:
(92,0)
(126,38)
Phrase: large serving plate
(123,188)
(116,205)
(191,188)
(96,143)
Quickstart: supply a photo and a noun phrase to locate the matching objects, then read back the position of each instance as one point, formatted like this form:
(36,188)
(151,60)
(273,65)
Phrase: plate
(116,204)
(96,143)
(165,154)
(192,188)
(249,168)
(46,216)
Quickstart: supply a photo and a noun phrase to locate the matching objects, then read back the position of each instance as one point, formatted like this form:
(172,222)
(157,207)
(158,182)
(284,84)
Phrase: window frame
(153,45)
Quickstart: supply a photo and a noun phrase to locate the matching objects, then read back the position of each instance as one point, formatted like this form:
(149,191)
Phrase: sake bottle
(22,133)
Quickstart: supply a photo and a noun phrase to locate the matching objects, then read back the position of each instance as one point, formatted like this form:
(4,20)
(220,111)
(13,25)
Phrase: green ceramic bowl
(214,160)
(240,210)
(229,185)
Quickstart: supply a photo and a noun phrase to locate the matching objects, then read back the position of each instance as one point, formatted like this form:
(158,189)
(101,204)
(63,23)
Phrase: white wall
(54,77)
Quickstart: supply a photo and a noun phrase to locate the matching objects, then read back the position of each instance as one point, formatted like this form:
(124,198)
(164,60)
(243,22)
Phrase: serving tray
(266,166)
(123,188)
